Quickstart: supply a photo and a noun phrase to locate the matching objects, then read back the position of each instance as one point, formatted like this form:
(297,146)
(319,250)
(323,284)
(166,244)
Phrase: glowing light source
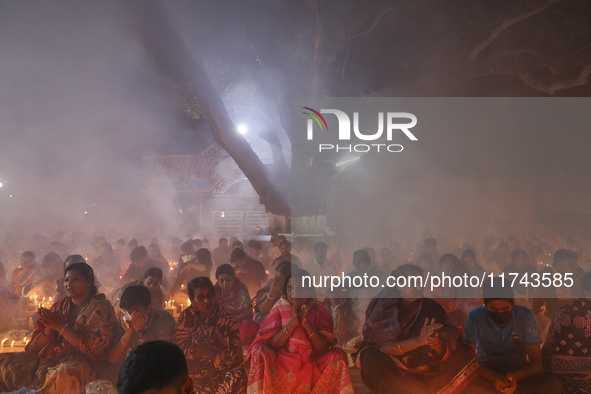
(223,214)
(242,129)
(85,212)
(0,184)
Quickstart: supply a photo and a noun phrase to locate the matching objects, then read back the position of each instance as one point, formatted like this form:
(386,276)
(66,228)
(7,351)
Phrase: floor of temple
(358,385)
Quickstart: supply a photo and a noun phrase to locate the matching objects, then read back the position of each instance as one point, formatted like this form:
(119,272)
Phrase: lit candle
(2,343)
(11,345)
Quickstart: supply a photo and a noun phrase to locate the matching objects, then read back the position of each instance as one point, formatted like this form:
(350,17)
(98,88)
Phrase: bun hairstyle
(73,258)
(225,269)
(87,272)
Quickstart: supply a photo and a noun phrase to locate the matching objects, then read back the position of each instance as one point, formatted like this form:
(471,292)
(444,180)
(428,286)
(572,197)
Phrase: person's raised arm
(282,336)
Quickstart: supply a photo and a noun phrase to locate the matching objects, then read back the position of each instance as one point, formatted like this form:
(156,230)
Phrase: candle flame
(2,343)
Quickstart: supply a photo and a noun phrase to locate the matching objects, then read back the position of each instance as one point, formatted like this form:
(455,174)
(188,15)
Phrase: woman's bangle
(270,297)
(400,348)
(63,328)
(123,342)
(286,331)
(311,335)
(337,307)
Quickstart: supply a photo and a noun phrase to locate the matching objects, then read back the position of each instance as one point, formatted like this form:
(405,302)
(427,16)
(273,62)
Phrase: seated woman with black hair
(151,279)
(233,297)
(271,292)
(60,291)
(409,342)
(294,350)
(139,323)
(70,336)
(156,366)
(210,340)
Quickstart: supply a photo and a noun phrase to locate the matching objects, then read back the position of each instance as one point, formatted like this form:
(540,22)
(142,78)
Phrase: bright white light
(85,212)
(10,196)
(347,161)
(242,129)
(0,184)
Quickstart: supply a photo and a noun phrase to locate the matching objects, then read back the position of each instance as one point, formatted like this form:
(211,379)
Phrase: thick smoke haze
(80,102)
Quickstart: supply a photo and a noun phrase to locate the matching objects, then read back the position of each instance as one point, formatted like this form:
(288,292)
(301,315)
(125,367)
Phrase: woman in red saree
(74,333)
(294,349)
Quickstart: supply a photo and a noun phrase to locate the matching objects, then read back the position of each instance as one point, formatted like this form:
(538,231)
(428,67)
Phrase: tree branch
(375,23)
(507,24)
(549,87)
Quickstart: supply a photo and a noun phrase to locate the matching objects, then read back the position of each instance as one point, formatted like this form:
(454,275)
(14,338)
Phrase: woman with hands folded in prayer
(76,331)
(294,348)
(409,342)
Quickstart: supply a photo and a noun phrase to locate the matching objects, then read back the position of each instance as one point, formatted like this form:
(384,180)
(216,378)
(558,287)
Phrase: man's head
(132,244)
(52,263)
(237,244)
(255,248)
(154,251)
(136,299)
(197,243)
(565,261)
(499,300)
(203,255)
(28,259)
(519,258)
(153,279)
(238,257)
(155,367)
(430,245)
(469,258)
(361,260)
(285,249)
(320,251)
(223,242)
(187,248)
(139,256)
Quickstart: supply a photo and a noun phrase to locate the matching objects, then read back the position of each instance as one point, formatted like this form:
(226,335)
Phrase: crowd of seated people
(251,325)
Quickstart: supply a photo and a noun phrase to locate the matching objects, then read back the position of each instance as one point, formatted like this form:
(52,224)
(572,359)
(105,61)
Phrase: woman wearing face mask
(409,342)
(210,339)
(233,297)
(70,336)
(294,349)
(507,343)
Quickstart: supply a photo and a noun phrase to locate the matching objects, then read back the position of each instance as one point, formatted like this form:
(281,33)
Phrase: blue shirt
(503,345)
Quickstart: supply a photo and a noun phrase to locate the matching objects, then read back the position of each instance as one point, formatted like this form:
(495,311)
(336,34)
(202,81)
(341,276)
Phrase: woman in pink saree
(294,349)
